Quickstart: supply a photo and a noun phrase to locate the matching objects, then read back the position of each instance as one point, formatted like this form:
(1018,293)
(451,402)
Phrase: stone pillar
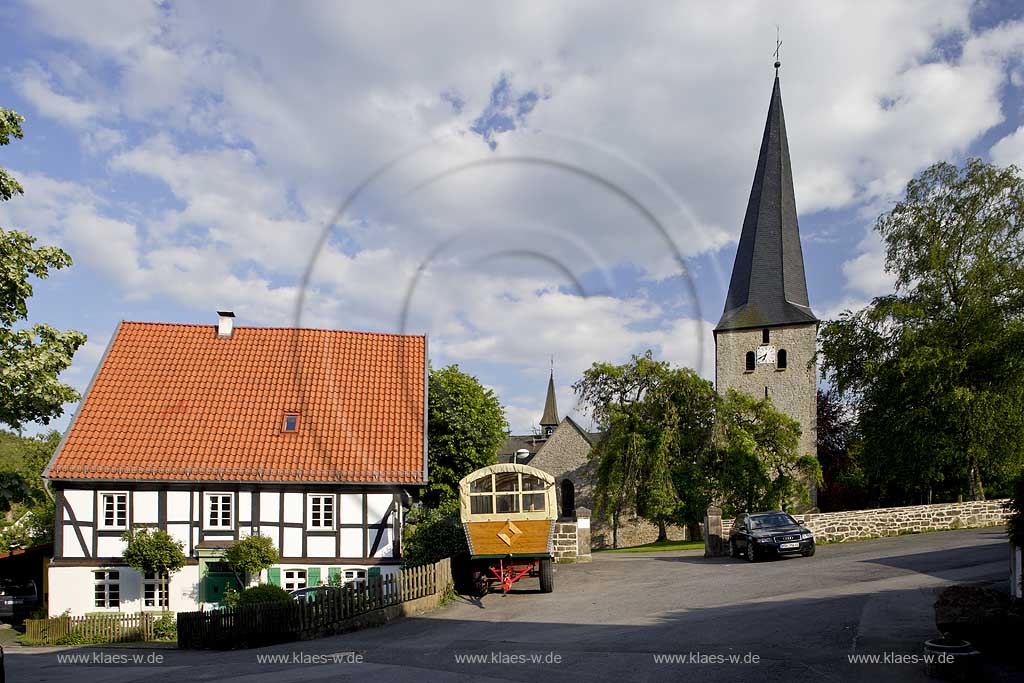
(583,535)
(713,545)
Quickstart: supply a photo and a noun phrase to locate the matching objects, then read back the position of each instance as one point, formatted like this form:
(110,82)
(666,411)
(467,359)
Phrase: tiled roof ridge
(272,327)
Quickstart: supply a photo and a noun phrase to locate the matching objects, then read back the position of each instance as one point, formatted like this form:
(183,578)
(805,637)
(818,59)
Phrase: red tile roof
(177,402)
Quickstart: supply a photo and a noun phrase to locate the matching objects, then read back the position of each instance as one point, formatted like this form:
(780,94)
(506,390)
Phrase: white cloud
(34,85)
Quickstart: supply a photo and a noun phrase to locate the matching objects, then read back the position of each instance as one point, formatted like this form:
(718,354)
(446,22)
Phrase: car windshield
(20,589)
(771,521)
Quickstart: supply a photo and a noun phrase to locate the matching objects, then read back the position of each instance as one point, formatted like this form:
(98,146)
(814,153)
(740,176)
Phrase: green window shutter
(332,573)
(274,576)
(313,576)
(374,571)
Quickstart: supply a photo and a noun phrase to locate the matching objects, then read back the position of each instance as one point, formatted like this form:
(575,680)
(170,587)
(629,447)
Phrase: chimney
(225,323)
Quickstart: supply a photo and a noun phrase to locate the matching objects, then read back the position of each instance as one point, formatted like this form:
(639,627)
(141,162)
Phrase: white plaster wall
(350,508)
(146,507)
(386,548)
(377,505)
(244,506)
(197,499)
(351,542)
(270,507)
(107,546)
(292,542)
(71,547)
(320,546)
(177,505)
(271,530)
(81,503)
(180,532)
(71,588)
(293,507)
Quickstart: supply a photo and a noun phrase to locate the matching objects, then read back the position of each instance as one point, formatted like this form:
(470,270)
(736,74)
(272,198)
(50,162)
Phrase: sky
(528,183)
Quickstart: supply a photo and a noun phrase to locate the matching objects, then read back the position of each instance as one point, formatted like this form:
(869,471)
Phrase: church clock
(765,355)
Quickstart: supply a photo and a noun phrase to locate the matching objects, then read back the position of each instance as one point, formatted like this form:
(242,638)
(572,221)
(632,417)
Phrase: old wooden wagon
(508,511)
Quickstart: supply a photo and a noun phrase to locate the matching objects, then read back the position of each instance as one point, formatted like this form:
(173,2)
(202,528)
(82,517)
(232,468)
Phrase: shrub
(1015,524)
(166,627)
(251,555)
(432,534)
(263,594)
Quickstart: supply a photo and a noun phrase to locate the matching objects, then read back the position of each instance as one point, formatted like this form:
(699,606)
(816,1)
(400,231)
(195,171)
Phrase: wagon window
(481,485)
(532,483)
(481,505)
(533,502)
(507,502)
(506,481)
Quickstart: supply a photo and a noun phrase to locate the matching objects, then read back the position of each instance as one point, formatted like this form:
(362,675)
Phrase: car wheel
(808,553)
(733,550)
(751,552)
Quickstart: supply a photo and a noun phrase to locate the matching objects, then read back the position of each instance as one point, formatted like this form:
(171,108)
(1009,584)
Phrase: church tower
(767,337)
(549,420)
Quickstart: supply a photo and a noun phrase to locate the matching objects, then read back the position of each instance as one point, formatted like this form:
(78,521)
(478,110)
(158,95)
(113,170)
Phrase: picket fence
(105,628)
(252,625)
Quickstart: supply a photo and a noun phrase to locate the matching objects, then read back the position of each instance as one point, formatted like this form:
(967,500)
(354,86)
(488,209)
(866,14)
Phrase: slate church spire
(768,286)
(549,420)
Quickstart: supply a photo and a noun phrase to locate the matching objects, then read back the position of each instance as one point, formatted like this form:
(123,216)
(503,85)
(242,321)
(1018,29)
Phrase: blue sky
(534,181)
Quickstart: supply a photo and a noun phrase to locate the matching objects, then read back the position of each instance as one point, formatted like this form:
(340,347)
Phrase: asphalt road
(617,619)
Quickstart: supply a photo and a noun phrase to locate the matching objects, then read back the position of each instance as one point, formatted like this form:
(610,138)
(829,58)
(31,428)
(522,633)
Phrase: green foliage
(844,486)
(935,370)
(31,358)
(432,534)
(153,551)
(231,597)
(251,555)
(26,512)
(466,428)
(166,627)
(262,594)
(1015,522)
(756,464)
(10,126)
(658,423)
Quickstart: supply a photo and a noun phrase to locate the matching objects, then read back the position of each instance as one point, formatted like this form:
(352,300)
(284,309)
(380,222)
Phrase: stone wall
(836,527)
(572,538)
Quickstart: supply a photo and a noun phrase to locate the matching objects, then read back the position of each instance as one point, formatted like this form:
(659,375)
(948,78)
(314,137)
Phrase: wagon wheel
(547,575)
(479,584)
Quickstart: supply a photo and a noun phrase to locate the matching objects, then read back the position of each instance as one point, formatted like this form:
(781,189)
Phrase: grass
(658,546)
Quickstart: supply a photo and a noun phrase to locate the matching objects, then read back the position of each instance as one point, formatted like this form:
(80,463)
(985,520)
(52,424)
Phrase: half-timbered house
(313,438)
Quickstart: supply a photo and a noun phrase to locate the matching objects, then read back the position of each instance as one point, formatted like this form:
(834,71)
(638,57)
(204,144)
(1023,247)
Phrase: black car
(17,599)
(768,534)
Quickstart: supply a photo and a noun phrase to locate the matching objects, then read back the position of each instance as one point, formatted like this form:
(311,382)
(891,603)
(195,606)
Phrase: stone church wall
(836,527)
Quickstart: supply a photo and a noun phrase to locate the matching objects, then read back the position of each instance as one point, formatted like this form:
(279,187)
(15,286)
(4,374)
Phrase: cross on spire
(778,46)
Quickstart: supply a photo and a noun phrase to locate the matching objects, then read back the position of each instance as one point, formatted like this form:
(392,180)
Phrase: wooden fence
(102,628)
(322,613)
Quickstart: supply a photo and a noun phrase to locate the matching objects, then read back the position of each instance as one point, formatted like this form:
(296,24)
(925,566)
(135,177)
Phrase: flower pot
(950,659)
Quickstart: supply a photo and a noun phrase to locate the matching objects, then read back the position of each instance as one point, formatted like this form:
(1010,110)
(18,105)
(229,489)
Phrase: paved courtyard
(622,618)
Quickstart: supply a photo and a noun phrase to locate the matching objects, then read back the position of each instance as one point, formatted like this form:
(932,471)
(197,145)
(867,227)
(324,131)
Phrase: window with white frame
(114,510)
(294,579)
(321,512)
(154,590)
(218,511)
(354,576)
(107,588)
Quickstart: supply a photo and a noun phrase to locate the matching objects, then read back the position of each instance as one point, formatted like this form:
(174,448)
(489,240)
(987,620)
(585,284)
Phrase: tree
(153,551)
(250,556)
(657,422)
(756,463)
(843,485)
(466,428)
(26,512)
(934,369)
(432,534)
(30,358)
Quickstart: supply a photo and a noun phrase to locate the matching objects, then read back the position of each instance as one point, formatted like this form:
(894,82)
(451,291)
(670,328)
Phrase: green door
(216,579)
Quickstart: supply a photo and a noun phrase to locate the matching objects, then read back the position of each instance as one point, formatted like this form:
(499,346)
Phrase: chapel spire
(549,420)
(768,286)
